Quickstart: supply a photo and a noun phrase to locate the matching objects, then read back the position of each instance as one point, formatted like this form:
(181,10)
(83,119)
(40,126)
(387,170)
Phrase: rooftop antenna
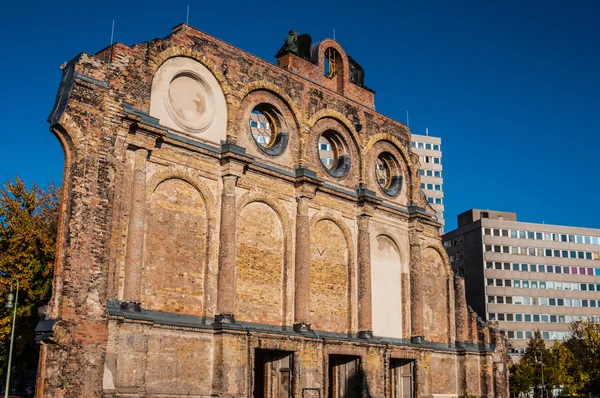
(187,15)
(112,35)
(427,131)
(407,120)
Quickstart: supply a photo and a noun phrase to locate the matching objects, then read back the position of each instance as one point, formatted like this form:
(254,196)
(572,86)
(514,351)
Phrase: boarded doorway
(402,376)
(272,374)
(344,376)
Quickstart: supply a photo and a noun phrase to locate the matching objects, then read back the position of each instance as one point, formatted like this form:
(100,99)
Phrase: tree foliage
(584,344)
(564,371)
(28,228)
(573,366)
(521,379)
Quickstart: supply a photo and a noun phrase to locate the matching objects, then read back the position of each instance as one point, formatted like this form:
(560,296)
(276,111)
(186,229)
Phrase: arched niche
(175,249)
(187,97)
(435,296)
(260,265)
(386,287)
(329,278)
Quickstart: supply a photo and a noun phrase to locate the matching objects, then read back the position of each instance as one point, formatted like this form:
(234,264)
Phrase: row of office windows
(533,235)
(536,251)
(543,268)
(544,301)
(550,285)
(430,173)
(435,201)
(433,187)
(522,334)
(540,318)
(425,145)
(432,159)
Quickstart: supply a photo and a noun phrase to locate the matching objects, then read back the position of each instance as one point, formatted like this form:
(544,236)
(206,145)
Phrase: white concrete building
(429,150)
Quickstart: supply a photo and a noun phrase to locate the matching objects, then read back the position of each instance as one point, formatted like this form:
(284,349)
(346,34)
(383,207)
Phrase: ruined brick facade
(198,259)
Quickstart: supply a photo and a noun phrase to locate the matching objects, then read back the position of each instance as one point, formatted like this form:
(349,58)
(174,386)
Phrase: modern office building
(526,276)
(429,150)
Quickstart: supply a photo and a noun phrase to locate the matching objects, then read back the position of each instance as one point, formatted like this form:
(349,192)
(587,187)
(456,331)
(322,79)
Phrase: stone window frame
(279,142)
(342,160)
(395,179)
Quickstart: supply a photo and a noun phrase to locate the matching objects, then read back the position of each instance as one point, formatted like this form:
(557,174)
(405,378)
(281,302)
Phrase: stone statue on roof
(296,44)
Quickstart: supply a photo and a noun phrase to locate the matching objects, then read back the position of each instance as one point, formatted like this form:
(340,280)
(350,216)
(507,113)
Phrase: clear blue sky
(511,86)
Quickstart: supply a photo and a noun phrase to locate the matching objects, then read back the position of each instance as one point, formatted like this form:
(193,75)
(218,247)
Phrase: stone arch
(261,243)
(284,149)
(176,248)
(331,275)
(276,90)
(436,295)
(413,168)
(217,106)
(333,114)
(188,52)
(347,129)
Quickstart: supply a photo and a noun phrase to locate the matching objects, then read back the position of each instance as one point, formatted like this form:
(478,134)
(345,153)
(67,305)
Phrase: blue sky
(512,87)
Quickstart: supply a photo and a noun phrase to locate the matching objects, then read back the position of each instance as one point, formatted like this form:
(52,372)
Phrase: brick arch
(412,167)
(330,43)
(163,294)
(173,52)
(347,124)
(268,86)
(242,264)
(68,134)
(345,231)
(250,197)
(164,175)
(448,285)
(349,295)
(442,253)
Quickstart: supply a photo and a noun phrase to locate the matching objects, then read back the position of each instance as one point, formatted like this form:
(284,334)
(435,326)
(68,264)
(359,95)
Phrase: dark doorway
(272,374)
(402,377)
(344,376)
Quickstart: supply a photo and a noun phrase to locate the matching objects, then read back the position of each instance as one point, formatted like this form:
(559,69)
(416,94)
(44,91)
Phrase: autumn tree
(565,371)
(521,378)
(584,345)
(28,228)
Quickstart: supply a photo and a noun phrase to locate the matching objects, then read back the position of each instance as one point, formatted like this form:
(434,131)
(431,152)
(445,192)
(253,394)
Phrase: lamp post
(541,362)
(11,305)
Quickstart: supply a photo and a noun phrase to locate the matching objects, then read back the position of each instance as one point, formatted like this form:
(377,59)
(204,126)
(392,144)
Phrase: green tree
(28,228)
(521,378)
(537,356)
(565,371)
(584,345)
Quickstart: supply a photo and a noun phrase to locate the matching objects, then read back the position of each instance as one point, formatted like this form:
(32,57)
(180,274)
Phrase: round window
(266,125)
(333,154)
(388,174)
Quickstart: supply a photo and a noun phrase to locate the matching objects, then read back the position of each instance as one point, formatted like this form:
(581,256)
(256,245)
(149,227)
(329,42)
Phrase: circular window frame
(394,180)
(208,118)
(279,135)
(342,160)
